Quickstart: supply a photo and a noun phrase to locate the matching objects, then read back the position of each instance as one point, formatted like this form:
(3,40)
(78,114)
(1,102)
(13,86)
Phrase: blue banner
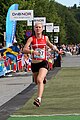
(10,26)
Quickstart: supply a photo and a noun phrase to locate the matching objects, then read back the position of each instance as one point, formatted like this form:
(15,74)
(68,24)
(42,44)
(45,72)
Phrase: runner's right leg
(35,77)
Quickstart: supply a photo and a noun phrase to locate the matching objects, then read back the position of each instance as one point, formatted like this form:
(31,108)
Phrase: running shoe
(44,81)
(37,102)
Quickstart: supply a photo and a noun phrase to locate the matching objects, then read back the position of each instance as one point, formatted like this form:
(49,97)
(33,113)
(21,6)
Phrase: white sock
(39,99)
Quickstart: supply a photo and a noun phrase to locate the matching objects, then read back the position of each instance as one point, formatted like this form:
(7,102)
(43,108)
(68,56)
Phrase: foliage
(67,18)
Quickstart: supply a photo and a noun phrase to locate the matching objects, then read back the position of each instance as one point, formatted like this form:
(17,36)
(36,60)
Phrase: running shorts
(36,66)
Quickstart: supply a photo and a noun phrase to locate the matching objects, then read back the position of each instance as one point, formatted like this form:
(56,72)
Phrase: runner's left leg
(40,78)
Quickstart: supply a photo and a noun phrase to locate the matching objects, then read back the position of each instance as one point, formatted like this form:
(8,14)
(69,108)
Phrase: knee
(39,80)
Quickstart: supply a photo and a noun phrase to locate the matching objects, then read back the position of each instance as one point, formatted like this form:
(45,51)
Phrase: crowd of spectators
(73,49)
(23,61)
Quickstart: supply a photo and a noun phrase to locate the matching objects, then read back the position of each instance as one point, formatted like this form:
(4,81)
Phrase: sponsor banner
(40,19)
(55,39)
(49,27)
(10,26)
(56,28)
(29,22)
(37,19)
(20,15)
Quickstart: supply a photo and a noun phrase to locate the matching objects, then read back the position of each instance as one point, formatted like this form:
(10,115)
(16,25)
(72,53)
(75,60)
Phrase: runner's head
(38,28)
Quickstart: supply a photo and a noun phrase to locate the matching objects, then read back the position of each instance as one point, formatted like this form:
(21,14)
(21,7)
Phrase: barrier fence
(7,65)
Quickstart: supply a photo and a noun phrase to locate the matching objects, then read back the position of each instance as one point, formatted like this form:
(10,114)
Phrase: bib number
(42,53)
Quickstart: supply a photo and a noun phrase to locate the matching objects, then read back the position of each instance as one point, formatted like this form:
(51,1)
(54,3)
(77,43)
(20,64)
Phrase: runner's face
(38,28)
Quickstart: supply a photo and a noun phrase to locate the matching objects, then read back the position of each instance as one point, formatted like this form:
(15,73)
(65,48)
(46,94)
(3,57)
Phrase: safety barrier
(2,68)
(7,65)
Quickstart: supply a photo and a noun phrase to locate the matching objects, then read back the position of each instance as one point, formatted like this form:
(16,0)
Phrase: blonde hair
(37,23)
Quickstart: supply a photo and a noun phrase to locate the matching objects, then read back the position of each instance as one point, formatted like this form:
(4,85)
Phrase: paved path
(71,61)
(11,86)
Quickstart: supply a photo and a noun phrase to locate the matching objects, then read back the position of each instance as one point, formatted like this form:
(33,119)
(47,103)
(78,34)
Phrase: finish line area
(61,99)
(74,116)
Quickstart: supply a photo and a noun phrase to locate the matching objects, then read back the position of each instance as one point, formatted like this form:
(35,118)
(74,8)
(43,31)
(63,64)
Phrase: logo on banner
(37,19)
(21,15)
(49,27)
(56,28)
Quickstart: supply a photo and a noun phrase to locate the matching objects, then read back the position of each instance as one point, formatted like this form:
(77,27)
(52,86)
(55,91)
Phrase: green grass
(61,96)
(46,118)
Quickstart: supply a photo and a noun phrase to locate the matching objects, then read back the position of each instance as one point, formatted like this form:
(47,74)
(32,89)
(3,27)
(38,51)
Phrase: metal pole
(32,27)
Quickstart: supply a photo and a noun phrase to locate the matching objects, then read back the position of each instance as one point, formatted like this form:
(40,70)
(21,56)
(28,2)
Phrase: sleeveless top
(40,46)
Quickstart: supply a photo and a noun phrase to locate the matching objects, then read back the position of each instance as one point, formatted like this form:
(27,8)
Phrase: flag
(10,26)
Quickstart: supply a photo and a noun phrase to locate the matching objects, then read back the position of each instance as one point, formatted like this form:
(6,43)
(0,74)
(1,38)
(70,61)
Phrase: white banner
(55,39)
(37,19)
(40,19)
(21,15)
(49,27)
(56,28)
(29,22)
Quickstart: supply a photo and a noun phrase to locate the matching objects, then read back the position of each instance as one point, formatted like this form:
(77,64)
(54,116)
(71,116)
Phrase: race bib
(42,53)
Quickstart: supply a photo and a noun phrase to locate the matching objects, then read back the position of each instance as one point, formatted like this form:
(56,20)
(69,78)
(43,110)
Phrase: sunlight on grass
(61,95)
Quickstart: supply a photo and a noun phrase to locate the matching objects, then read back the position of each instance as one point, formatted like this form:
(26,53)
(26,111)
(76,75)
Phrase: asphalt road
(71,61)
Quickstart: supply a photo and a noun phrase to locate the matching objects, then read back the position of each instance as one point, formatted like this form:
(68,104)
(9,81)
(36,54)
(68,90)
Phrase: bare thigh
(42,74)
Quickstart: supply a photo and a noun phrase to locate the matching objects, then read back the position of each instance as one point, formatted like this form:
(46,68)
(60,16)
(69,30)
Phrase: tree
(67,18)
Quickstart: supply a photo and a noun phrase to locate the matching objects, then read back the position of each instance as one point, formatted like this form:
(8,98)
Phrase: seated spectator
(12,52)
